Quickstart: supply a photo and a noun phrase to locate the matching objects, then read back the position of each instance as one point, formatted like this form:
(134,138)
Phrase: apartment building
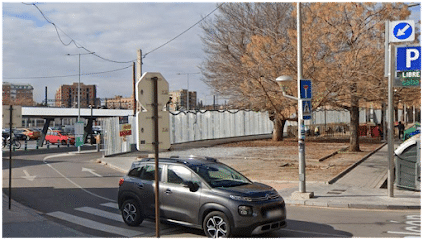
(67,96)
(18,94)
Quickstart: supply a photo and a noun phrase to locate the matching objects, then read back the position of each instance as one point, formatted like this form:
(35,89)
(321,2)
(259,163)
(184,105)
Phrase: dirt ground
(276,163)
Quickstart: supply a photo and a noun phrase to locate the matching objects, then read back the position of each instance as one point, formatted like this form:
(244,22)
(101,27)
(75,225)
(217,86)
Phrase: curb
(332,154)
(351,205)
(343,173)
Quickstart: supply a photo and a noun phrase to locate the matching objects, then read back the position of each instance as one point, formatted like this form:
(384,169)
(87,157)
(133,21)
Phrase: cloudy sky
(32,48)
(34,54)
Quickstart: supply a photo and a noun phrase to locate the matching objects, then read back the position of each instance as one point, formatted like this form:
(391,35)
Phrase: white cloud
(115,31)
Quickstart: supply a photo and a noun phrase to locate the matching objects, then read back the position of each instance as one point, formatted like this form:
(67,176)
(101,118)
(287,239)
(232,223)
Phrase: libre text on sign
(408,66)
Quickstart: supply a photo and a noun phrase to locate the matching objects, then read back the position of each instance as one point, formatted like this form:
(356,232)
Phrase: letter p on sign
(412,55)
(408,58)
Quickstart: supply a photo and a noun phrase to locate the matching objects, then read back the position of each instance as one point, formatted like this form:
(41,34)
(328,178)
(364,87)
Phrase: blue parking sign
(408,58)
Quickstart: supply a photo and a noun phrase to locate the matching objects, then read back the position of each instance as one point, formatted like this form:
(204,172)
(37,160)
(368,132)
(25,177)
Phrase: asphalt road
(75,191)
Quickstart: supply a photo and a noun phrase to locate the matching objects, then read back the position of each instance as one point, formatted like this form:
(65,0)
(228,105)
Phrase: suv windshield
(219,175)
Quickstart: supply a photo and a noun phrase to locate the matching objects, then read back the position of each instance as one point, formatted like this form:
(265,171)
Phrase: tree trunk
(354,120)
(278,126)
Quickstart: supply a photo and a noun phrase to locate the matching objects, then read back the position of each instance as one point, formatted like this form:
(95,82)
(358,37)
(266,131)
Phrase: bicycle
(15,142)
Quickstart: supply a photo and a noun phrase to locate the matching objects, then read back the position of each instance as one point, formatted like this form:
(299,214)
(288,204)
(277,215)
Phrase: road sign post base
(302,195)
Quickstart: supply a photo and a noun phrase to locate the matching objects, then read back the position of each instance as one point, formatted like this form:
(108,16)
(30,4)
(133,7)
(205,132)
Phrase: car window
(145,172)
(220,175)
(180,175)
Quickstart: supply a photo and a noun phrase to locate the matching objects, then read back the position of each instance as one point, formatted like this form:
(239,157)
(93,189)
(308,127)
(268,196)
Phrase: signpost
(152,94)
(407,67)
(12,117)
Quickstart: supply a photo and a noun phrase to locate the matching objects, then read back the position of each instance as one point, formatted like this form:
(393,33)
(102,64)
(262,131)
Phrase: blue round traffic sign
(403,30)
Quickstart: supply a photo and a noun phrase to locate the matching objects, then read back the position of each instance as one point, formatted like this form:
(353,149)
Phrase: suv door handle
(168,191)
(140,185)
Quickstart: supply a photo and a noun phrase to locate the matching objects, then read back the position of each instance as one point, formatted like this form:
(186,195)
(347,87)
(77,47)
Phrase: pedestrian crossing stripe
(147,225)
(101,213)
(94,225)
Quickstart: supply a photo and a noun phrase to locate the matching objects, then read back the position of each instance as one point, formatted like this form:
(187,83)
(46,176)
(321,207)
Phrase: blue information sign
(403,30)
(408,58)
(307,109)
(305,89)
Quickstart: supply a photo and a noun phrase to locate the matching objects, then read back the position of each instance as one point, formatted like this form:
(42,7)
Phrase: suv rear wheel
(131,213)
(216,225)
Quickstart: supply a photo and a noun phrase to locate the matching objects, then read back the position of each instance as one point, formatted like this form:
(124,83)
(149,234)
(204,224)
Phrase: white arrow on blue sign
(401,31)
(408,58)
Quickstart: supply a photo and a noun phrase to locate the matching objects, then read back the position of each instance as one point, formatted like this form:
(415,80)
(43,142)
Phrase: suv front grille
(267,197)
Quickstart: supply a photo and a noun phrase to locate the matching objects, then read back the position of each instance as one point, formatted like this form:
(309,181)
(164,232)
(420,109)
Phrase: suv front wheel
(131,213)
(216,225)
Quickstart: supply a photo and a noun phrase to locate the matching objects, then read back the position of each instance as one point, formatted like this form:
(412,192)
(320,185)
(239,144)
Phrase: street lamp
(79,80)
(187,86)
(301,194)
(282,80)
(79,85)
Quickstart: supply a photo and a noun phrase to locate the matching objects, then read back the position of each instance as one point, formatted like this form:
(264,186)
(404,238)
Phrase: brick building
(179,100)
(67,96)
(18,94)
(119,102)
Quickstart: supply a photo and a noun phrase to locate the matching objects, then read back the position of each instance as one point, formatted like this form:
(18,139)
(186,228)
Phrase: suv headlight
(240,198)
(245,210)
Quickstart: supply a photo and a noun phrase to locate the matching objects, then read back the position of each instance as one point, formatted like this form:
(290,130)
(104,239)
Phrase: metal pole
(10,156)
(79,92)
(187,91)
(79,87)
(156,152)
(133,88)
(301,133)
(390,136)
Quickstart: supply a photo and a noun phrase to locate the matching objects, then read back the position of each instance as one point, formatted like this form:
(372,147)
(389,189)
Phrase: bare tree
(249,45)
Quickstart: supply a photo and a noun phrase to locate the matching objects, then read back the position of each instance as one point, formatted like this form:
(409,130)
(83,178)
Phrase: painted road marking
(413,226)
(101,213)
(95,225)
(111,205)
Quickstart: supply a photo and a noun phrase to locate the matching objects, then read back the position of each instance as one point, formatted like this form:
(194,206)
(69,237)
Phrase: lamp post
(79,85)
(79,80)
(301,194)
(187,86)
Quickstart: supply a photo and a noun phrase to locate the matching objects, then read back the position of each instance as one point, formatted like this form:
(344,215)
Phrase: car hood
(250,190)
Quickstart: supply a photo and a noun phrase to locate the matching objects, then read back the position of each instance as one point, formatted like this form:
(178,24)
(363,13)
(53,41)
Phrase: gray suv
(203,193)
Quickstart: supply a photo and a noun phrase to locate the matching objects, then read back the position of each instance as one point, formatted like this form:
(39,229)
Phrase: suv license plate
(274,213)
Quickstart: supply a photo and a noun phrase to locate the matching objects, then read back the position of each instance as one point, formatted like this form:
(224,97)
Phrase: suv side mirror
(193,187)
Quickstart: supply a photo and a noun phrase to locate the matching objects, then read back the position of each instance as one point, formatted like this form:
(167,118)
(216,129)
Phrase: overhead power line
(73,75)
(72,40)
(82,47)
(183,31)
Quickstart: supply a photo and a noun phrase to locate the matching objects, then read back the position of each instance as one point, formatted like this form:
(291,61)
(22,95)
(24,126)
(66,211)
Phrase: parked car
(19,134)
(58,137)
(203,193)
(31,133)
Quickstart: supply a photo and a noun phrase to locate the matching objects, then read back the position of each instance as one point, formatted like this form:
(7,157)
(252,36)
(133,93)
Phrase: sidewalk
(21,221)
(358,188)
